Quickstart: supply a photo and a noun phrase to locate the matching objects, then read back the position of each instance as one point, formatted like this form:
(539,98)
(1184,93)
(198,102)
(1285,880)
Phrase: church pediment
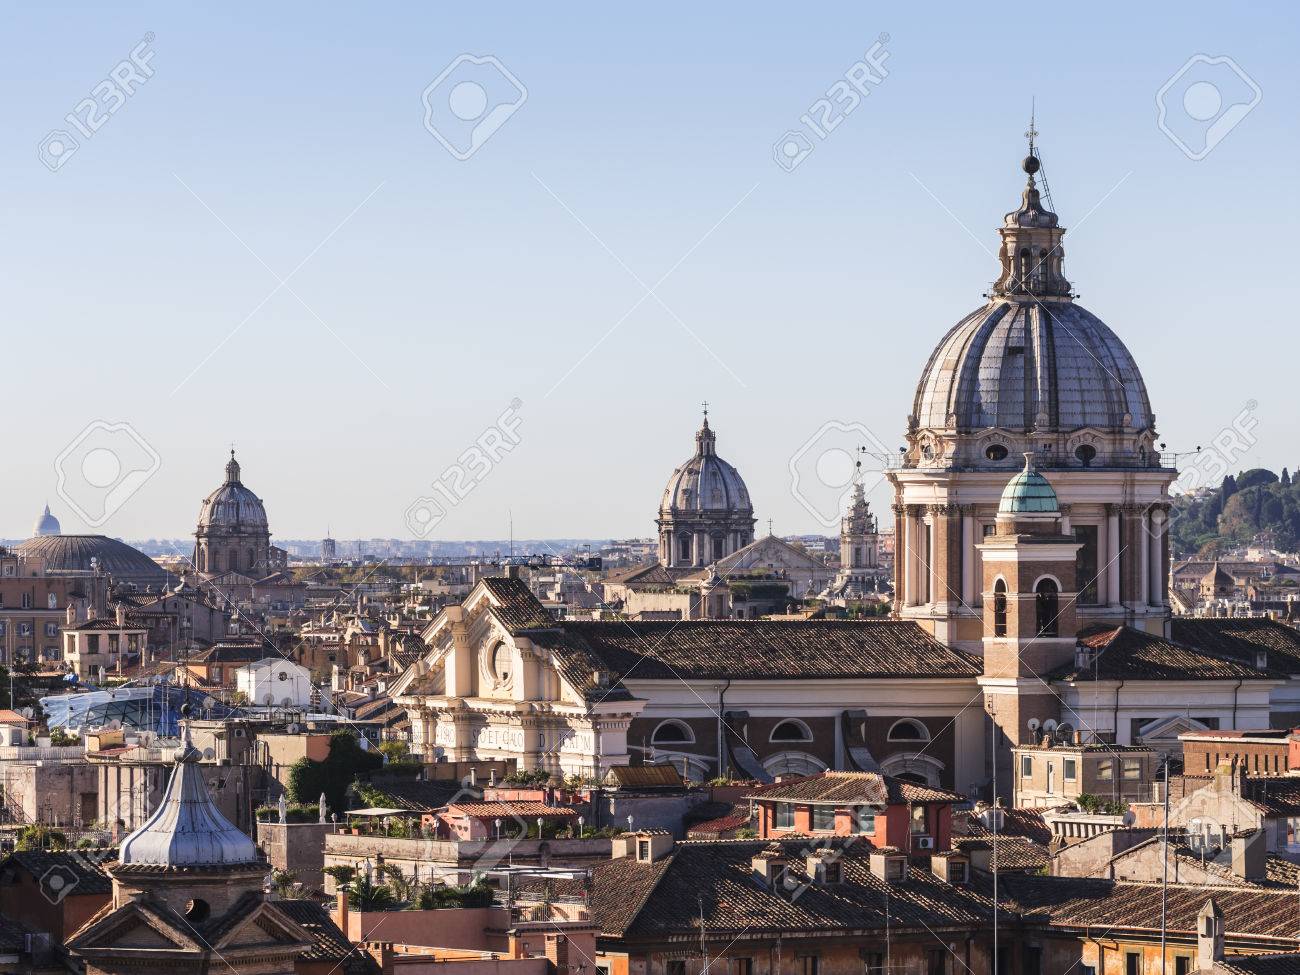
(263,927)
(769,552)
(135,925)
(1169,728)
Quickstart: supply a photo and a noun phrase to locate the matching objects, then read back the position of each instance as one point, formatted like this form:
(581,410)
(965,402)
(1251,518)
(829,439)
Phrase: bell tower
(1029,589)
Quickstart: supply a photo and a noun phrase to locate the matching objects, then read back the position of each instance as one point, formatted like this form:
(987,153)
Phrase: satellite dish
(209,703)
(293,728)
(287,702)
(27,713)
(1033,724)
(269,700)
(1049,724)
(114,725)
(209,753)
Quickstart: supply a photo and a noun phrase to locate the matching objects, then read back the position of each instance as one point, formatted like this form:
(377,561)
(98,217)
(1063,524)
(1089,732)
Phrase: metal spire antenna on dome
(1032,135)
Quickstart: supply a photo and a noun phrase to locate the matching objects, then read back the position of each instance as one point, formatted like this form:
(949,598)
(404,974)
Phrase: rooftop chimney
(1209,936)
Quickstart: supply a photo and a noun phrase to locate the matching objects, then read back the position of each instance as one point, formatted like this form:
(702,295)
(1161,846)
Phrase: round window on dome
(996,452)
(1085,453)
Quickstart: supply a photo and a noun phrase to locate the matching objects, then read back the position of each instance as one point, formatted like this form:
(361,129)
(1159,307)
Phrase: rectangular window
(823,817)
(784,815)
(936,961)
(1106,770)
(742,966)
(675,966)
(1088,970)
(1086,564)
(1132,768)
(1071,769)
(864,820)
(873,963)
(1182,964)
(1026,766)
(920,821)
(1031,960)
(1132,963)
(808,965)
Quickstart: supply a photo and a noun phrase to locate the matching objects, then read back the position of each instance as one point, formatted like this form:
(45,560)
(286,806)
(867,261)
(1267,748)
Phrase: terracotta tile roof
(656,900)
(1013,852)
(1241,638)
(1106,903)
(329,944)
(1124,653)
(1277,795)
(84,868)
(855,788)
(659,776)
(510,808)
(768,649)
(515,605)
(1280,964)
(1028,823)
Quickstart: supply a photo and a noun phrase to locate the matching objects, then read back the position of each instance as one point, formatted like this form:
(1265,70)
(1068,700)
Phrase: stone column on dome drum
(1114,556)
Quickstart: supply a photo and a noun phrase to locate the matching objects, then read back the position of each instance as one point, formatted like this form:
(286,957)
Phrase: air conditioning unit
(925,842)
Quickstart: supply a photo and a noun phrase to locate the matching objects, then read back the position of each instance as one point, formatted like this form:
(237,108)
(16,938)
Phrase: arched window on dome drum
(1000,608)
(684,547)
(1045,602)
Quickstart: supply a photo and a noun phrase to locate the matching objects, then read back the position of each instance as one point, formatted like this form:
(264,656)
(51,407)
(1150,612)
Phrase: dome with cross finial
(705,513)
(232,532)
(1031,369)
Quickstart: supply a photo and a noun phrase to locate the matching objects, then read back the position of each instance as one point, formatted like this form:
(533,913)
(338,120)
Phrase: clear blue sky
(459,285)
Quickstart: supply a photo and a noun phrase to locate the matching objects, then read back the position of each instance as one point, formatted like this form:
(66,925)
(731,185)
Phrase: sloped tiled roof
(86,866)
(329,943)
(1013,852)
(1107,903)
(1241,638)
(655,900)
(855,788)
(515,605)
(1125,653)
(768,649)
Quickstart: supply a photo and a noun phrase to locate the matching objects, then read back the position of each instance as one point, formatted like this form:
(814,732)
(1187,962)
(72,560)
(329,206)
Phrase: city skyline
(148,251)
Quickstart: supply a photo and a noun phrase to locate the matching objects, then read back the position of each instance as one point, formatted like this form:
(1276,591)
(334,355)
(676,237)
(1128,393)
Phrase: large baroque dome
(82,553)
(1031,370)
(232,506)
(705,513)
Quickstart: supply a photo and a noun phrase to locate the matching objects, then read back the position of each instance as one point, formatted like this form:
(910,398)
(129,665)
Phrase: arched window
(908,730)
(684,549)
(673,733)
(791,730)
(1000,608)
(1046,600)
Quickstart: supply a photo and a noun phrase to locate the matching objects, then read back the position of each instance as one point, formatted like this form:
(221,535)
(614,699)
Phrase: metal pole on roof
(1164,884)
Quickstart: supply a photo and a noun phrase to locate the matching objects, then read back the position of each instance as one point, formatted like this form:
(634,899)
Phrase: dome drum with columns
(705,514)
(1031,371)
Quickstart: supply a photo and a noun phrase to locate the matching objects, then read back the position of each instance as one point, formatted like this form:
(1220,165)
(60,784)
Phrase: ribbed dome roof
(232,506)
(1046,366)
(705,482)
(1028,493)
(187,829)
(47,524)
(64,553)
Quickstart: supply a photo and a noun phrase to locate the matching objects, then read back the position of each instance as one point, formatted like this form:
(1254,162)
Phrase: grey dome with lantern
(705,513)
(1031,369)
(232,505)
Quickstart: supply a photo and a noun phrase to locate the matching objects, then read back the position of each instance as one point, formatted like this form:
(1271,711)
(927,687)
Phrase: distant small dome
(1029,493)
(232,506)
(47,524)
(705,483)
